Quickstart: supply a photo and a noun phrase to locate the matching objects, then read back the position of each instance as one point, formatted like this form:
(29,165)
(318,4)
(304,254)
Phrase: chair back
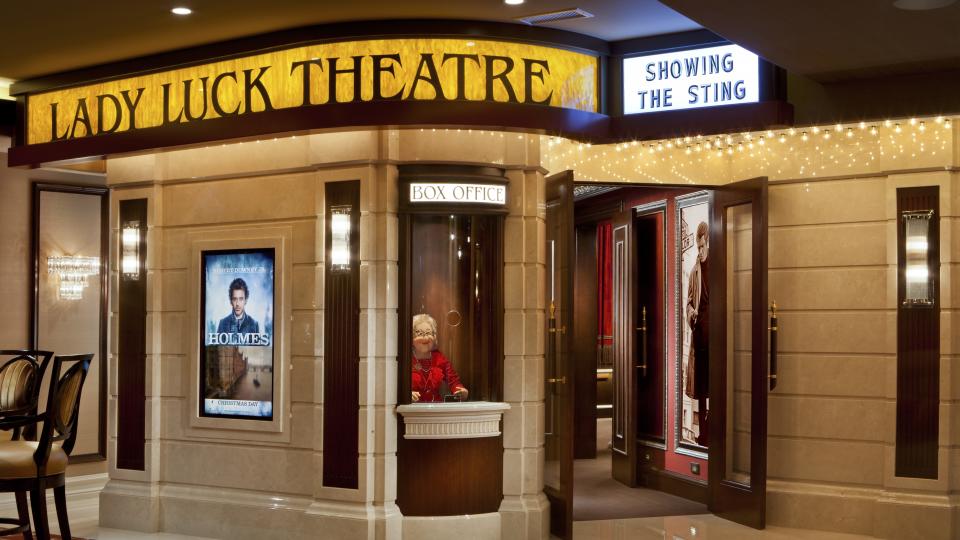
(20,377)
(63,406)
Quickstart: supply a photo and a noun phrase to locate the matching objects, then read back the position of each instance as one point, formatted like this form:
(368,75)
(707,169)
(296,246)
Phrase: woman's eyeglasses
(423,333)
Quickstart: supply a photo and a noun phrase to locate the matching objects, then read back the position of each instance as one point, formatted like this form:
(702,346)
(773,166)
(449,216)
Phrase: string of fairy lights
(784,153)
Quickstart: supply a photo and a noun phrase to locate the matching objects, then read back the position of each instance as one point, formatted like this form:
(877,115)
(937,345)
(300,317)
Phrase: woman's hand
(416,396)
(461,393)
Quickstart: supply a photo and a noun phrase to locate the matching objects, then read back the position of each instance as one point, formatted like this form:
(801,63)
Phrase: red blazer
(428,374)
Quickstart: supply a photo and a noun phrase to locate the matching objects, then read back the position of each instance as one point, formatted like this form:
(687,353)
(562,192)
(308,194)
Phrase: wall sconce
(917,273)
(130,250)
(72,272)
(340,247)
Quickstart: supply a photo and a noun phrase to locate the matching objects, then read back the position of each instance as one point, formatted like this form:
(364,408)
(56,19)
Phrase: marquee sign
(419,69)
(691,79)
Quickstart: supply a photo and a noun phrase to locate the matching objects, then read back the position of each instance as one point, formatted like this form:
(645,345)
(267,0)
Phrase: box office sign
(423,69)
(428,192)
(691,79)
(236,352)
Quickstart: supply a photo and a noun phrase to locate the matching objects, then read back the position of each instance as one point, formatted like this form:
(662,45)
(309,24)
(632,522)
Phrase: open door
(625,329)
(559,366)
(737,285)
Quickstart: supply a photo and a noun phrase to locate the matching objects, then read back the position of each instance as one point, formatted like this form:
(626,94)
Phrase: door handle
(559,380)
(774,329)
(643,343)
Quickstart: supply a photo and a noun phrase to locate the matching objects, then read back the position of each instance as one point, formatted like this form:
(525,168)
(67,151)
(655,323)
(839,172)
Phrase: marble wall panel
(844,288)
(837,374)
(829,461)
(237,466)
(838,332)
(235,159)
(849,419)
(832,201)
(240,200)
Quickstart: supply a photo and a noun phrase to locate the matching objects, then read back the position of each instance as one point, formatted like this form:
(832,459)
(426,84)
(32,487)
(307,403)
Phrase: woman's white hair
(421,318)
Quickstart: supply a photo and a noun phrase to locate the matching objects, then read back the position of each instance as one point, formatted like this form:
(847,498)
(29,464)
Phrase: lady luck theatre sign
(417,69)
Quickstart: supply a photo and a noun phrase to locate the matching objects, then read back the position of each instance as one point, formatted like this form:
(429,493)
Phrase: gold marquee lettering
(424,69)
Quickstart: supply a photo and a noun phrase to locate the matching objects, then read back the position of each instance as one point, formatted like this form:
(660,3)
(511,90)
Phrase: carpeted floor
(596,495)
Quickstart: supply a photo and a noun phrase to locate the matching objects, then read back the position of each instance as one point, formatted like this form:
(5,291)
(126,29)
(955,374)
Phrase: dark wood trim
(918,348)
(475,114)
(315,34)
(341,347)
(102,358)
(8,117)
(577,125)
(652,474)
(590,211)
(665,43)
(132,350)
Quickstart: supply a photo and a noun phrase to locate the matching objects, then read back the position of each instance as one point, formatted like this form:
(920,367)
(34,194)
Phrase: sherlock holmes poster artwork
(237,302)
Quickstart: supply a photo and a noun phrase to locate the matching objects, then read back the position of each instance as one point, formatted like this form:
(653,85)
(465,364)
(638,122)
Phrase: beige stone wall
(248,486)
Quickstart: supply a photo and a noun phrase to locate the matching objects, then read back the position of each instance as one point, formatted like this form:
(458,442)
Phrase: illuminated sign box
(692,79)
(432,192)
(415,69)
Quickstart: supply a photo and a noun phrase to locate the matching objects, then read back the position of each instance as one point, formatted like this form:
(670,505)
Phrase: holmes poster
(237,301)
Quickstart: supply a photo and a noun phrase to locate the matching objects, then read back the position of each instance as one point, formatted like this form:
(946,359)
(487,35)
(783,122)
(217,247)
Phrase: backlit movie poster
(693,239)
(237,303)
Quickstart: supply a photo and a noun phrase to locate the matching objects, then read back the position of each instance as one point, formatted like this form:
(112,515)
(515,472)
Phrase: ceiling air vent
(554,16)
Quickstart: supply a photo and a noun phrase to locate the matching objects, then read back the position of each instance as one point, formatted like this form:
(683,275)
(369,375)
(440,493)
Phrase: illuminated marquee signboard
(418,69)
(423,192)
(692,79)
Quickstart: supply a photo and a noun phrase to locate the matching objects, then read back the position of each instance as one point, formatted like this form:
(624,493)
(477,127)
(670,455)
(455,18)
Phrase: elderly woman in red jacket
(430,366)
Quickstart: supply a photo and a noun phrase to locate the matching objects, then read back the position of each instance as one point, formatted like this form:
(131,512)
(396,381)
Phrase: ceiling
(836,40)
(55,36)
(825,40)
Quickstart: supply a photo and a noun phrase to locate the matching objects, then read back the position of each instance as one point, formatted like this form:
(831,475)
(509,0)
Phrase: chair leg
(38,500)
(60,496)
(23,513)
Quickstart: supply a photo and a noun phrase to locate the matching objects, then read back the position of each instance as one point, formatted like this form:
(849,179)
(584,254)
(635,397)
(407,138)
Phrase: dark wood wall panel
(918,349)
(341,348)
(585,342)
(451,476)
(132,350)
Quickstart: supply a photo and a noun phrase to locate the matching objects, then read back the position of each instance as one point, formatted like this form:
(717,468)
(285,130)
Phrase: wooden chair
(35,466)
(20,377)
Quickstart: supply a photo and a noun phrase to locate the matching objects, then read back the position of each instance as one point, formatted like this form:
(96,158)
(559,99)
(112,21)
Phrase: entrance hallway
(597,496)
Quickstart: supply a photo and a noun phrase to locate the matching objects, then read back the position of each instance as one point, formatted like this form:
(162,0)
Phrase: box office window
(455,306)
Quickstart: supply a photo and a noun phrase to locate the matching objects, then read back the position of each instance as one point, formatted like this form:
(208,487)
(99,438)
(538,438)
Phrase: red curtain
(604,291)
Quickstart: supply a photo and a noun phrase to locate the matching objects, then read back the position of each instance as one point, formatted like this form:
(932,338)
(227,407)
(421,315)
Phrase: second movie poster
(237,351)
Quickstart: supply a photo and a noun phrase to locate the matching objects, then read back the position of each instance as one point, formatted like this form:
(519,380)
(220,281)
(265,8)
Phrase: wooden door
(624,350)
(559,365)
(651,365)
(737,281)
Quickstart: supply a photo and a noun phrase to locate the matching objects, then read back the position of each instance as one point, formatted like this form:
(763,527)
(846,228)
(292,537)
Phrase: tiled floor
(699,527)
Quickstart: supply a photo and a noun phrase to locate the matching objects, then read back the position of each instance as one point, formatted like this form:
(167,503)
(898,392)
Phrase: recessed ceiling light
(513,2)
(181,10)
(922,5)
